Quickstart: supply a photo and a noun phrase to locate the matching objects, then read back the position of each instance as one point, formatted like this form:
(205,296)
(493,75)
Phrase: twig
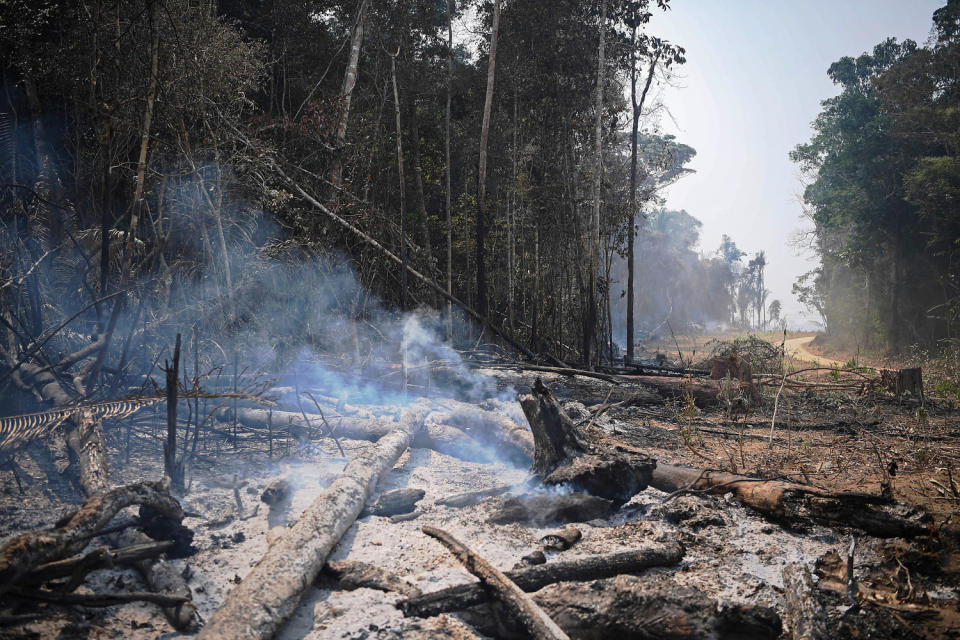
(329,428)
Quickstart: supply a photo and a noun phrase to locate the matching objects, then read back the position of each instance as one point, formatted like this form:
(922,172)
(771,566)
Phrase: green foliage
(884,178)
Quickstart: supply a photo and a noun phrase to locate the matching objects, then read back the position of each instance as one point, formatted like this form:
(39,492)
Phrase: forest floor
(838,441)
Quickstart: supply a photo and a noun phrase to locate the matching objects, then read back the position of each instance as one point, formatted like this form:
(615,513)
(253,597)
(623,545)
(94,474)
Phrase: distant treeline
(883,167)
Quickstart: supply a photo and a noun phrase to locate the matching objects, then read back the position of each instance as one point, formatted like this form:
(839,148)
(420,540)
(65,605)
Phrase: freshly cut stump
(586,460)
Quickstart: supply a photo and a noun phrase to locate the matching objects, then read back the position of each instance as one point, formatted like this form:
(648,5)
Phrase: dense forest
(255,176)
(884,181)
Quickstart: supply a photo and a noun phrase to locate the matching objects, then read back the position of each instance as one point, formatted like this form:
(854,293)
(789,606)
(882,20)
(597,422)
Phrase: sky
(756,72)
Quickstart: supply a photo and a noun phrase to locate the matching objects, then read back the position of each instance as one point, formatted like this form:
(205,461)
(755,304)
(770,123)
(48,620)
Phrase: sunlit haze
(756,72)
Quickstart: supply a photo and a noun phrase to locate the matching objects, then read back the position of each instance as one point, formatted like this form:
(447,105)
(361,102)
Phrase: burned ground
(734,558)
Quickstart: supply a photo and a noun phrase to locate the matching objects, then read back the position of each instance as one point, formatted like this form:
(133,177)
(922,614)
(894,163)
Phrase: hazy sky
(752,84)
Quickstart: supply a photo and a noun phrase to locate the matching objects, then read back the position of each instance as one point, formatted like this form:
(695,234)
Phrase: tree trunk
(449,194)
(418,183)
(346,94)
(260,605)
(23,553)
(481,239)
(795,504)
(403,204)
(593,294)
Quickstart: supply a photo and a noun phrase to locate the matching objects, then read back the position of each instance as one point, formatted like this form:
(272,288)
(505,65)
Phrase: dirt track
(796,347)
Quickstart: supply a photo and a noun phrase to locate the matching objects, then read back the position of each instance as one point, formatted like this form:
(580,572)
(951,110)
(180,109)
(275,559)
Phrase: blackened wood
(165,579)
(96,559)
(798,504)
(535,578)
(584,459)
(355,575)
(520,605)
(25,552)
(806,617)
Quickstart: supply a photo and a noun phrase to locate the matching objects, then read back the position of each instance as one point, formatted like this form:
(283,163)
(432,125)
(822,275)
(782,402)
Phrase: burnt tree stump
(584,459)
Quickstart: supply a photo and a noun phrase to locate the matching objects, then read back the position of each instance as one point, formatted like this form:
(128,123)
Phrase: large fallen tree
(795,504)
(261,604)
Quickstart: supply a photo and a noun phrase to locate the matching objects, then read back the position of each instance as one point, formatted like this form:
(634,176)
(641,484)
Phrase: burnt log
(395,502)
(470,498)
(519,604)
(806,617)
(561,540)
(443,438)
(797,504)
(98,558)
(25,552)
(630,608)
(584,459)
(261,604)
(585,568)
(542,509)
(352,575)
(165,579)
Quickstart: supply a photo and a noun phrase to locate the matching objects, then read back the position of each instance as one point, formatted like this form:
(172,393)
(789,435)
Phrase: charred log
(521,606)
(356,575)
(796,504)
(25,552)
(545,509)
(583,459)
(535,578)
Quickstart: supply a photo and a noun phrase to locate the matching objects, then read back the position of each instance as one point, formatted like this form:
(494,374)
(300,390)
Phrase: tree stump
(903,380)
(736,367)
(586,460)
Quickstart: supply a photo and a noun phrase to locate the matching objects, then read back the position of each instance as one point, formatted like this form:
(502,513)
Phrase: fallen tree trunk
(25,552)
(260,605)
(86,441)
(356,575)
(792,503)
(444,438)
(585,459)
(520,605)
(535,578)
(632,608)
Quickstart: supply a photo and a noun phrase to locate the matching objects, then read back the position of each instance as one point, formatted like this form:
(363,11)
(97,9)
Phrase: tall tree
(481,235)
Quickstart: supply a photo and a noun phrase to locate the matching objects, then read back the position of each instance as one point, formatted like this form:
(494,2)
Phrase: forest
(192,166)
(377,320)
(883,176)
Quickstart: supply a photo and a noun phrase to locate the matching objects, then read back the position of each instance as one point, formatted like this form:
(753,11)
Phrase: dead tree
(584,459)
(535,578)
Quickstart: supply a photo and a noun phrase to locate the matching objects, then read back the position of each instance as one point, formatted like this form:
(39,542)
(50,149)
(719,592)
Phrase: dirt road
(796,347)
